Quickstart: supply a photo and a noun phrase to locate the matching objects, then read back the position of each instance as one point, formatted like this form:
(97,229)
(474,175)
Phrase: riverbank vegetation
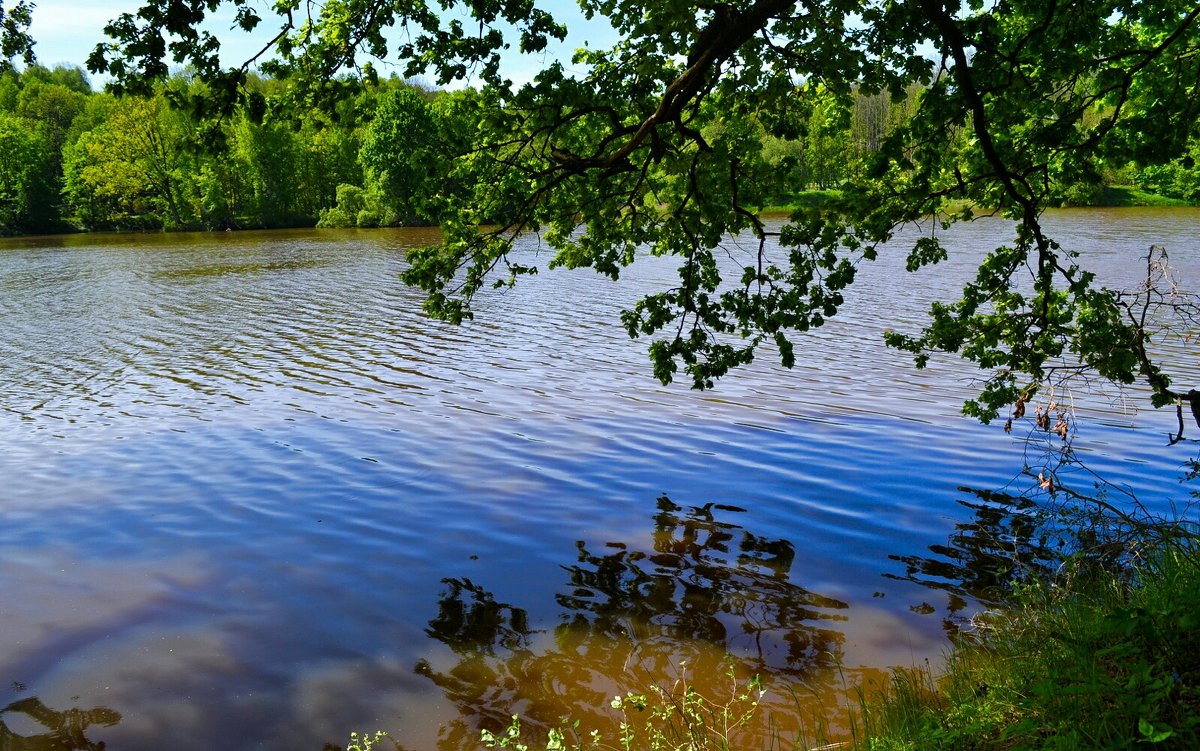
(391,152)
(1088,656)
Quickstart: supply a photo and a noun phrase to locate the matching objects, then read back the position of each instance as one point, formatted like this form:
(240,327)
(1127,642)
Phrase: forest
(387,154)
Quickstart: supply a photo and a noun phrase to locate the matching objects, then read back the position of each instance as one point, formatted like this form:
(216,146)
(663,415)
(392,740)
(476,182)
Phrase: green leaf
(1154,732)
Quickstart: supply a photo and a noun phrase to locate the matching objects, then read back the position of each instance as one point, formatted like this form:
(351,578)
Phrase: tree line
(389,152)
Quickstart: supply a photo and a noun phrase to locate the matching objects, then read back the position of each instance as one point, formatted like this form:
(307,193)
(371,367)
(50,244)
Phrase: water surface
(253,498)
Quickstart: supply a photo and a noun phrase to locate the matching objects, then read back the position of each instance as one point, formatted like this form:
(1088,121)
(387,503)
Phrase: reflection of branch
(1011,537)
(66,728)
(471,621)
(705,588)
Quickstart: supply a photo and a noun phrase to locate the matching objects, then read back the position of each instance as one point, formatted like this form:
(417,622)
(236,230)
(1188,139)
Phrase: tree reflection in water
(707,592)
(1010,539)
(65,730)
(984,556)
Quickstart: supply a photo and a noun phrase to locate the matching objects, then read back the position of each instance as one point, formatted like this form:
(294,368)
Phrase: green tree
(269,155)
(70,77)
(1178,178)
(10,90)
(876,114)
(406,156)
(828,149)
(127,172)
(330,159)
(24,175)
(14,34)
(53,104)
(52,109)
(621,151)
(259,165)
(401,156)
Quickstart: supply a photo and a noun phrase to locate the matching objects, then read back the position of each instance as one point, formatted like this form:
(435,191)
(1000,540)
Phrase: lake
(252,498)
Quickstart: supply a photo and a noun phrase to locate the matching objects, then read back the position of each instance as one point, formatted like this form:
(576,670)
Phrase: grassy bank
(1127,195)
(1091,658)
(1110,196)
(805,199)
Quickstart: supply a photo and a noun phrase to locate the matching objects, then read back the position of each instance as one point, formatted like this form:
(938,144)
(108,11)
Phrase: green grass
(1110,196)
(805,199)
(1092,659)
(1126,195)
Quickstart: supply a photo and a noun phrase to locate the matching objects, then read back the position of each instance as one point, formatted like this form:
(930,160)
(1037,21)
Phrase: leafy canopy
(656,145)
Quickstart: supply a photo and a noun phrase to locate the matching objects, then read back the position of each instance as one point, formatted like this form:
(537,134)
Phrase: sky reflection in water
(252,498)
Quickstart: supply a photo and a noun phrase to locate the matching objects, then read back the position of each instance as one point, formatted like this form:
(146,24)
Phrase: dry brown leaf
(1046,482)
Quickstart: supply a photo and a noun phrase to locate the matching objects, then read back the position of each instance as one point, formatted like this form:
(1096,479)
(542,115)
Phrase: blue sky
(66,31)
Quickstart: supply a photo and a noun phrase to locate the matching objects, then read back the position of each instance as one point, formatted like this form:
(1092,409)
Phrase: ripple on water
(253,497)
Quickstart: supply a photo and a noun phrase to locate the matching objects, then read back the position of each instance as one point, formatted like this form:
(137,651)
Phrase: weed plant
(673,718)
(368,742)
(1093,658)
